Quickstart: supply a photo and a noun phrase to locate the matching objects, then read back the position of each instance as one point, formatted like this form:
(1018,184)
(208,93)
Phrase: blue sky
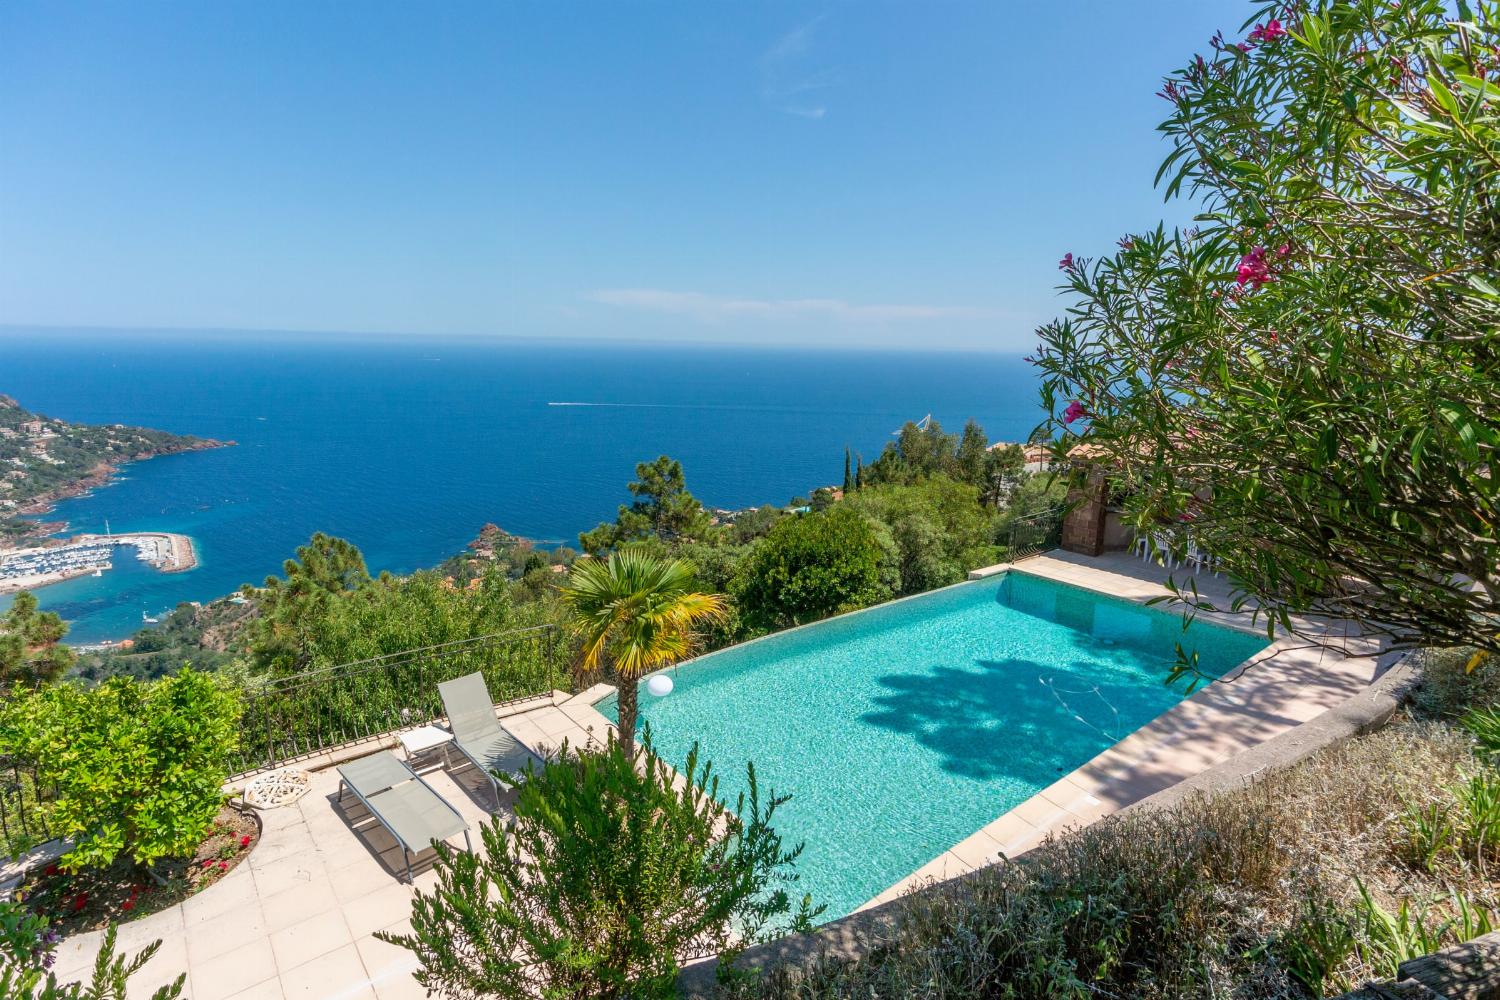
(870,174)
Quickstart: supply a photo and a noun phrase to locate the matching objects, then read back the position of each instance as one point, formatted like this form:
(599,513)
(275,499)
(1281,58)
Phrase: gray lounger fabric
(478,734)
(402,802)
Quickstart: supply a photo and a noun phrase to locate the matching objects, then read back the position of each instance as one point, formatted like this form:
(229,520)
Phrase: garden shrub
(26,948)
(137,767)
(608,877)
(1255,893)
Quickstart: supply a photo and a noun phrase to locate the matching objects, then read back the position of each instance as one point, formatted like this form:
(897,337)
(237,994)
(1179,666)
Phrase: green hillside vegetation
(43,459)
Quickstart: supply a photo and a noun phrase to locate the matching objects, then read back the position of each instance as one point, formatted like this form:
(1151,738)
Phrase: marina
(92,555)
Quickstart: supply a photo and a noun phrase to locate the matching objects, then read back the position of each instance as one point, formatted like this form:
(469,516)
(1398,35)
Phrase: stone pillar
(1083,527)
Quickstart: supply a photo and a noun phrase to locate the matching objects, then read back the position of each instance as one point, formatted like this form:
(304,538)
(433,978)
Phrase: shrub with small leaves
(608,878)
(24,976)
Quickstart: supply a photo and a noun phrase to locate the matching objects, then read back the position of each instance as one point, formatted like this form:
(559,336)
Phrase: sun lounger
(402,802)
(477,734)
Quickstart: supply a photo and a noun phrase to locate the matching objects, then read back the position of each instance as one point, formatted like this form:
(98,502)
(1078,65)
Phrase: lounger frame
(407,851)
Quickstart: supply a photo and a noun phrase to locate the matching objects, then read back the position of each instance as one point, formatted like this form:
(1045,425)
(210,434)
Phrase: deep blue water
(407,446)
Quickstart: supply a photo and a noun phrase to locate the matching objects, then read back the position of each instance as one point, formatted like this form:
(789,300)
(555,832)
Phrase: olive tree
(1309,378)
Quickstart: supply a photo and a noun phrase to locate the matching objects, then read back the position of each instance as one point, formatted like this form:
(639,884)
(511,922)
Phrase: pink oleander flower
(1284,250)
(1268,32)
(1073,412)
(1253,269)
(1066,264)
(1243,46)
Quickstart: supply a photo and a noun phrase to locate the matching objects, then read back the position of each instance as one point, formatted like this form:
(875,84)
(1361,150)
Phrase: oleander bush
(136,768)
(607,879)
(1308,375)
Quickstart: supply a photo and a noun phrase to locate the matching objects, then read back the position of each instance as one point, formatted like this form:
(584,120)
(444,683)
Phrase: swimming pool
(900,730)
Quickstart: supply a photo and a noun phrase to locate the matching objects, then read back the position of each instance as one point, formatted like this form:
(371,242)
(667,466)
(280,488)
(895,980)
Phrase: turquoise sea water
(408,446)
(901,730)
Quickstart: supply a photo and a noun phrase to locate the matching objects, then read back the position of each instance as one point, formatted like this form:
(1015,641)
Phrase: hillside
(43,460)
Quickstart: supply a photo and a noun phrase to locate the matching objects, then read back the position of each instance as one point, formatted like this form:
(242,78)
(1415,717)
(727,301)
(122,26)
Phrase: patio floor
(297,920)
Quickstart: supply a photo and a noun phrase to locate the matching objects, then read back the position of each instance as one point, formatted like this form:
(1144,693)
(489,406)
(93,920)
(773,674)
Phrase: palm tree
(635,613)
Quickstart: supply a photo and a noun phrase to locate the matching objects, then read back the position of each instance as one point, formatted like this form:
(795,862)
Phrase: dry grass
(1234,896)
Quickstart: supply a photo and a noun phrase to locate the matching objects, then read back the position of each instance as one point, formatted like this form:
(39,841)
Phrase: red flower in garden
(50,870)
(1073,412)
(245,840)
(208,862)
(80,901)
(223,866)
(1066,264)
(128,905)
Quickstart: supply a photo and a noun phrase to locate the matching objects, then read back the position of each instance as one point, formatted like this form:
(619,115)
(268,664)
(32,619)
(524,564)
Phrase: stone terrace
(296,920)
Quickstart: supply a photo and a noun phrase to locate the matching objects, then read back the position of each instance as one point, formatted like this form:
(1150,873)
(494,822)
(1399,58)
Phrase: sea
(406,446)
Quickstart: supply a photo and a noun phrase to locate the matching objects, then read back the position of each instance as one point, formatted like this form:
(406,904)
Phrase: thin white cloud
(788,81)
(719,309)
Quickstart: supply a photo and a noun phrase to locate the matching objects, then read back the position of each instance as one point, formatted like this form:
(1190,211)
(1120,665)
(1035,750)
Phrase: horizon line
(341,334)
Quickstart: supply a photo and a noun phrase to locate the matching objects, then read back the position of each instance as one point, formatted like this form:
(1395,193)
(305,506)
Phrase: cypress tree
(859,472)
(848,478)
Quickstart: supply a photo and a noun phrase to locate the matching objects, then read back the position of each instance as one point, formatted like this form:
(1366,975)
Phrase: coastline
(167,552)
(102,474)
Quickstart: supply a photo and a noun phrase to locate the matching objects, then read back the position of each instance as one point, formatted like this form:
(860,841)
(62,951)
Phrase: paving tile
(234,971)
(229,893)
(225,932)
(293,873)
(278,844)
(1040,811)
(313,938)
(355,881)
(145,983)
(295,905)
(389,967)
(76,952)
(1009,831)
(169,962)
(268,990)
(379,909)
(339,975)
(977,850)
(135,935)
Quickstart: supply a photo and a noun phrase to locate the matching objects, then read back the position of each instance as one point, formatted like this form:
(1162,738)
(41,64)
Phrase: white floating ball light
(660,685)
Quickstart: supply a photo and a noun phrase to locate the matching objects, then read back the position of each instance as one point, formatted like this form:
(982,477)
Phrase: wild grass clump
(1306,882)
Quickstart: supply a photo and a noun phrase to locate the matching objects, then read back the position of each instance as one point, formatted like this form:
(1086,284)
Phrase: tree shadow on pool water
(1002,719)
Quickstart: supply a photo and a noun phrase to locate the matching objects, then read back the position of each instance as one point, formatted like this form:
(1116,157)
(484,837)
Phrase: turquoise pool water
(901,730)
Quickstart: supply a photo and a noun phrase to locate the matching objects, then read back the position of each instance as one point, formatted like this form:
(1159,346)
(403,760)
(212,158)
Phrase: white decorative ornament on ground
(280,787)
(660,685)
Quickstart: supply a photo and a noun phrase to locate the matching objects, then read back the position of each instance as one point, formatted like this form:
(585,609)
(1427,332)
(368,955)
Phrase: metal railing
(23,814)
(301,715)
(1035,532)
